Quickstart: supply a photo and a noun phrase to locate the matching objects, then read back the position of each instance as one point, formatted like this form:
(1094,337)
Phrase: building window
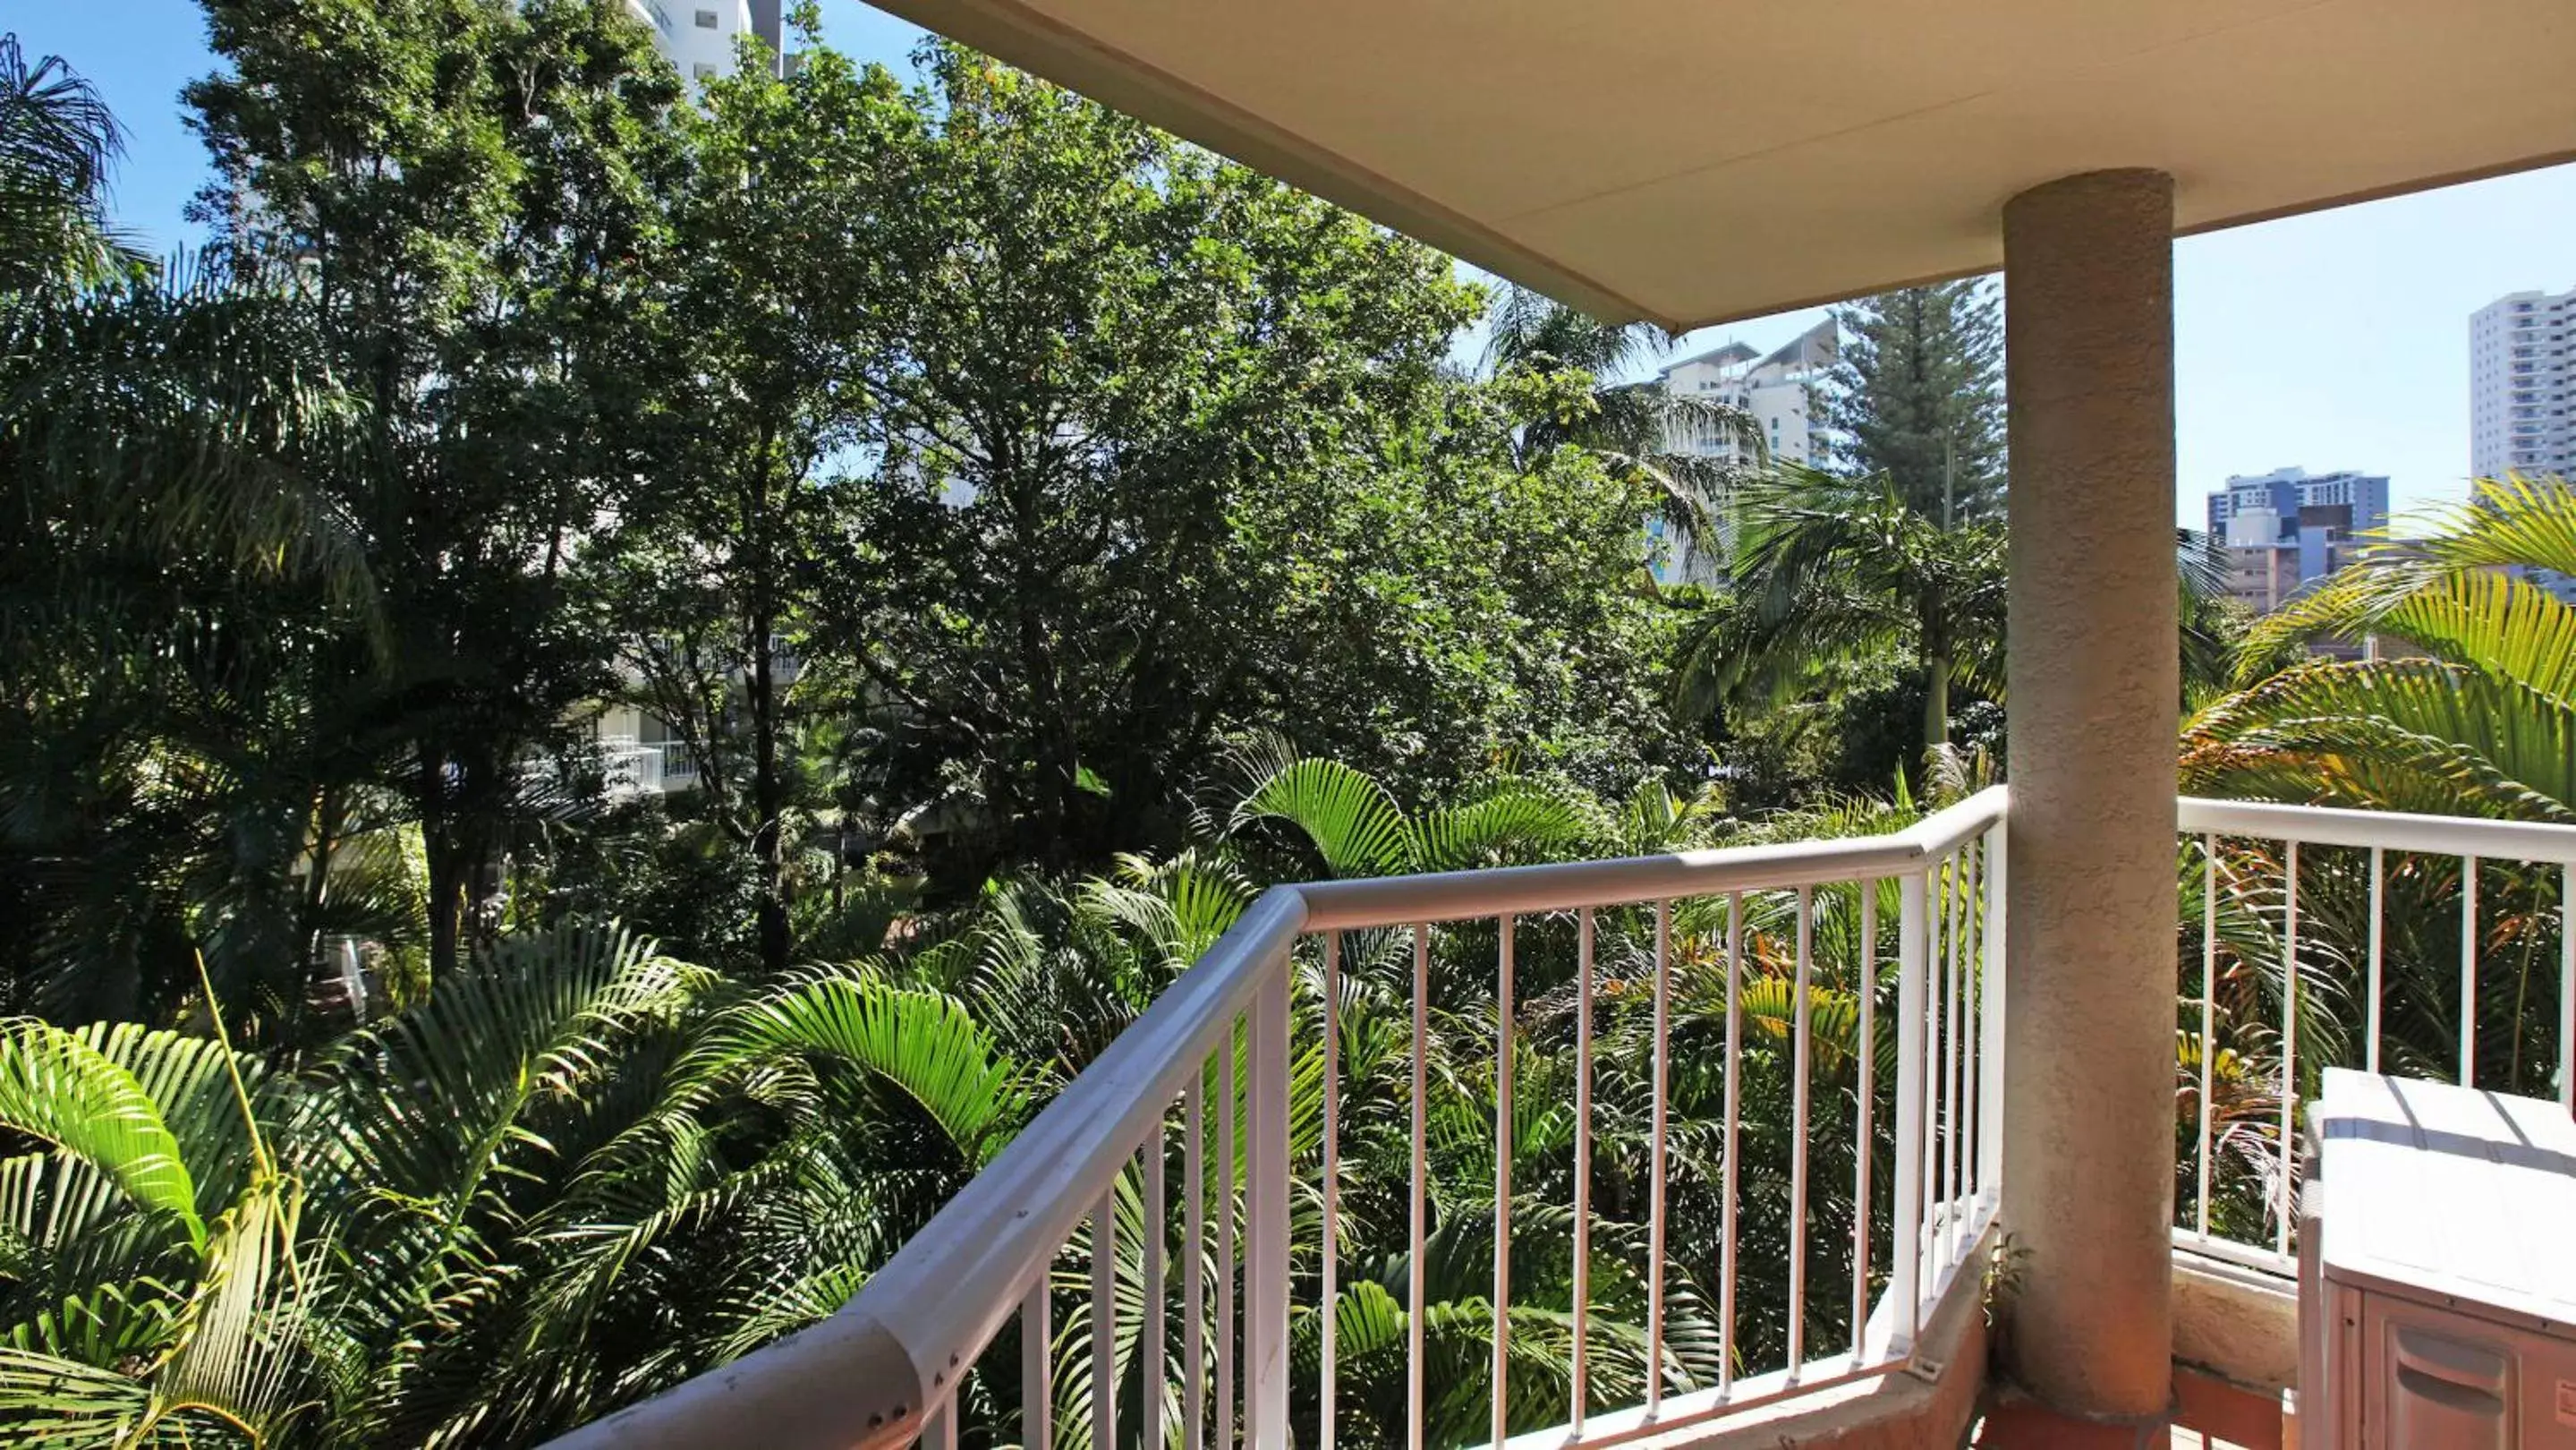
(706,20)
(703,71)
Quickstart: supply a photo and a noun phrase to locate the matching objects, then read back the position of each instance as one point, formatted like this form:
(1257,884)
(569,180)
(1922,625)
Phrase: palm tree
(189,627)
(2480,718)
(57,143)
(179,593)
(1632,427)
(581,1172)
(1829,570)
(1832,572)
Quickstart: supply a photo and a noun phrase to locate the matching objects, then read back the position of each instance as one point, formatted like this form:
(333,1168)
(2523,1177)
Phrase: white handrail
(2392,830)
(2468,840)
(868,1376)
(1381,901)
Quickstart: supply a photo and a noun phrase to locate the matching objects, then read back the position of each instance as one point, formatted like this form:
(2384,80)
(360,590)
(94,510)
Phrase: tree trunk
(1936,701)
(446,885)
(1050,733)
(768,792)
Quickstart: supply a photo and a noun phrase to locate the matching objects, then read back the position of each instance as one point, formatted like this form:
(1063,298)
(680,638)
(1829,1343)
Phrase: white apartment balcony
(2022,1069)
(630,769)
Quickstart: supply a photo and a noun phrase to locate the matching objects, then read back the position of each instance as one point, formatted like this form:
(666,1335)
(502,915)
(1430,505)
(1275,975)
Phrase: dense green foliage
(584,1170)
(953,470)
(949,470)
(1033,534)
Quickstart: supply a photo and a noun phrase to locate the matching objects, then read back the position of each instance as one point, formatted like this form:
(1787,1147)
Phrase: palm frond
(1349,819)
(2412,734)
(62,1089)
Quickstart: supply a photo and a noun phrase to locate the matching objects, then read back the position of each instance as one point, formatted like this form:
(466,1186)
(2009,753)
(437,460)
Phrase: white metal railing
(629,768)
(2253,862)
(1096,1165)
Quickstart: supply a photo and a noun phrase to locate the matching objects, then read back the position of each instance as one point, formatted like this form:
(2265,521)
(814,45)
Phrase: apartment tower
(2522,385)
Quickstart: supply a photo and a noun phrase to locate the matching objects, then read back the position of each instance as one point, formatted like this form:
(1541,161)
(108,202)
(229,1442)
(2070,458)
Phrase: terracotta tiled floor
(2036,1431)
(2212,1416)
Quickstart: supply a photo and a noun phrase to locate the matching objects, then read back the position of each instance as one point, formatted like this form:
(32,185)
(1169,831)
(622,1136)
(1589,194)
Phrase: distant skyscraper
(2522,385)
(1774,388)
(2284,530)
(697,35)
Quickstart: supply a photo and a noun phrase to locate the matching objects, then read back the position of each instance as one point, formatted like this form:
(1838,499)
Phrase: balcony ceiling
(1696,161)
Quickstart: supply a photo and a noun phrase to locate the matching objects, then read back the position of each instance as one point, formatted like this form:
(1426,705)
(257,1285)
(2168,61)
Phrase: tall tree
(768,330)
(470,190)
(180,593)
(1917,395)
(1170,449)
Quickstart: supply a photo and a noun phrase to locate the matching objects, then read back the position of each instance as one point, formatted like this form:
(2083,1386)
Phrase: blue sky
(2338,340)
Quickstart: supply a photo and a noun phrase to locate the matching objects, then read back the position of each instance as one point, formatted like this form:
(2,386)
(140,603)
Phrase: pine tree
(1918,396)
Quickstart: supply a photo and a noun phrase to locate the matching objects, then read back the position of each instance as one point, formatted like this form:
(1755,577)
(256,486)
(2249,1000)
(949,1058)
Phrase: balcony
(1869,1085)
(1781,1283)
(630,769)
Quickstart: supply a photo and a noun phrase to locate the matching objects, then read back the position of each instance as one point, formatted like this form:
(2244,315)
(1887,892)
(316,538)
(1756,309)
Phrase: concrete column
(2093,674)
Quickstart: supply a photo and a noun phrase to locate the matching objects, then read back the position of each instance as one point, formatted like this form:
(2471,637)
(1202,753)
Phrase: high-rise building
(1776,389)
(1773,388)
(698,35)
(2284,530)
(2522,385)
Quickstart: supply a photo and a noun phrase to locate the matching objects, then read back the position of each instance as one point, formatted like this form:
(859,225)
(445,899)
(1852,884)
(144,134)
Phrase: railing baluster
(1413,1336)
(1990,1098)
(1037,1368)
(1153,1357)
(1656,1158)
(1948,1087)
(1935,1191)
(2208,1015)
(1798,1139)
(2289,1041)
(1330,1293)
(2567,988)
(1972,1036)
(1865,986)
(1503,1182)
(2468,971)
(1265,1270)
(1726,1214)
(1104,1317)
(1226,1324)
(1194,1266)
(1906,1244)
(2378,929)
(1581,1389)
(939,1431)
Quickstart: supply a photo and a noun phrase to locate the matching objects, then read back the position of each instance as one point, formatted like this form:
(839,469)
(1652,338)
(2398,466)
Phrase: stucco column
(2092,671)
